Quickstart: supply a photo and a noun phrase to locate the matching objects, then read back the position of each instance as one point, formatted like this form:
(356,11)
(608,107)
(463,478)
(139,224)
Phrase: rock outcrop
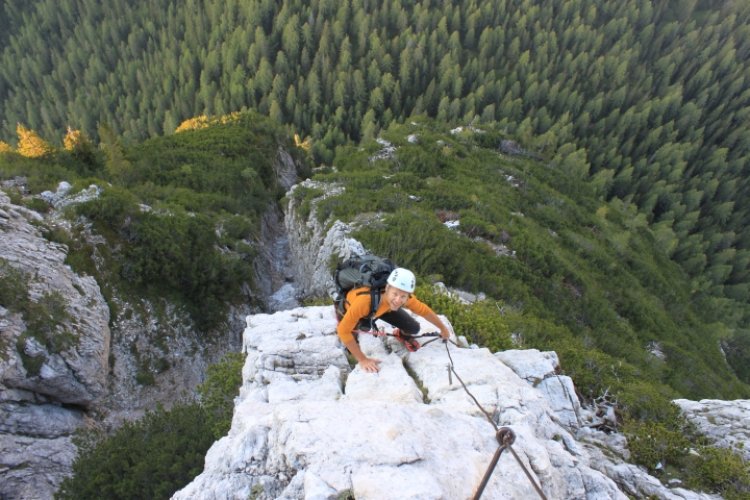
(308,425)
(725,423)
(313,246)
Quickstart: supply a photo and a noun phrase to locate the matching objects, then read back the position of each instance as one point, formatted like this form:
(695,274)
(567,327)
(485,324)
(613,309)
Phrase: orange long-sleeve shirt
(359,307)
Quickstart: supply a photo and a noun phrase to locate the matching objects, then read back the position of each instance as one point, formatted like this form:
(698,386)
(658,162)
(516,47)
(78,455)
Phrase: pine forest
(649,100)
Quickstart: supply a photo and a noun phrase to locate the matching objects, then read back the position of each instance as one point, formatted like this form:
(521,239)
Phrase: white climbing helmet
(403,279)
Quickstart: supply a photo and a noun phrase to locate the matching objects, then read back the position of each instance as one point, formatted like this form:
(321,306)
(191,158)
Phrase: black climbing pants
(399,319)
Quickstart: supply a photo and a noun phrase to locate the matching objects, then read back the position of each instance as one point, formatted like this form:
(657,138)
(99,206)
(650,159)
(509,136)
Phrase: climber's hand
(370,365)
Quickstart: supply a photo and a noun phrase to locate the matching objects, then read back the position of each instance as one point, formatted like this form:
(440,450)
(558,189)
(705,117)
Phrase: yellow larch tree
(306,144)
(80,146)
(193,124)
(75,139)
(204,121)
(30,144)
(5,147)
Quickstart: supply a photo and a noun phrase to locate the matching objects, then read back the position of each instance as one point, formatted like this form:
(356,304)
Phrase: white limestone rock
(313,245)
(40,409)
(541,369)
(306,425)
(724,422)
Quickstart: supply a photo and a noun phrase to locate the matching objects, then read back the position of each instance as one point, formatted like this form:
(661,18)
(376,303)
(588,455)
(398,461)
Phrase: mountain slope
(124,273)
(559,267)
(569,272)
(651,97)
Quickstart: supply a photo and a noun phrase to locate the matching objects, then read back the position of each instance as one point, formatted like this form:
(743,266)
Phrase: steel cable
(504,435)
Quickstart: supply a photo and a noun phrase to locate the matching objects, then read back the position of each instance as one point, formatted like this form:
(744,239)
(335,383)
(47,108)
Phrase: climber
(397,294)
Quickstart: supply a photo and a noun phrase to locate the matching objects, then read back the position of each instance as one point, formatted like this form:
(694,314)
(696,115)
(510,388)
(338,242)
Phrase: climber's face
(395,298)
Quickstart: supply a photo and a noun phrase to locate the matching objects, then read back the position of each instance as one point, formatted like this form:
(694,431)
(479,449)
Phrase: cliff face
(312,245)
(52,378)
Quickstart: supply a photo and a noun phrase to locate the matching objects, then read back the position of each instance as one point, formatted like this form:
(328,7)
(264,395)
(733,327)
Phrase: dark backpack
(366,271)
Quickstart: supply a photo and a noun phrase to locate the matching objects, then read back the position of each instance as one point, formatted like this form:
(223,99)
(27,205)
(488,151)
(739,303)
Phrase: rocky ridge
(307,424)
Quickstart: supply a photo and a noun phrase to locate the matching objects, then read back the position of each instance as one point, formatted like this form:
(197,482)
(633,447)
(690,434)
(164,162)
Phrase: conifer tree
(290,39)
(117,165)
(643,91)
(368,126)
(275,112)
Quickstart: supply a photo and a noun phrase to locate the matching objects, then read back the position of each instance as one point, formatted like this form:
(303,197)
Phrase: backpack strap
(375,294)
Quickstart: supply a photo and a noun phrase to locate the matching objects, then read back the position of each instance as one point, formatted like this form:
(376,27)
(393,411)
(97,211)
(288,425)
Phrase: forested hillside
(648,99)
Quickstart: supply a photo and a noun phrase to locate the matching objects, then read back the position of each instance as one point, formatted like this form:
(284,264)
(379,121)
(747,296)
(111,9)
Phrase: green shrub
(150,458)
(32,364)
(44,320)
(13,287)
(45,317)
(474,225)
(37,204)
(303,197)
(111,209)
(157,455)
(666,444)
(237,228)
(416,239)
(655,445)
(720,470)
(217,393)
(41,174)
(737,349)
(646,401)
(176,253)
(144,376)
(479,322)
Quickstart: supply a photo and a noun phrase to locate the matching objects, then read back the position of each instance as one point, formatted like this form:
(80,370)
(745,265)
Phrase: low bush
(479,322)
(217,393)
(674,448)
(150,458)
(656,444)
(13,287)
(721,470)
(157,455)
